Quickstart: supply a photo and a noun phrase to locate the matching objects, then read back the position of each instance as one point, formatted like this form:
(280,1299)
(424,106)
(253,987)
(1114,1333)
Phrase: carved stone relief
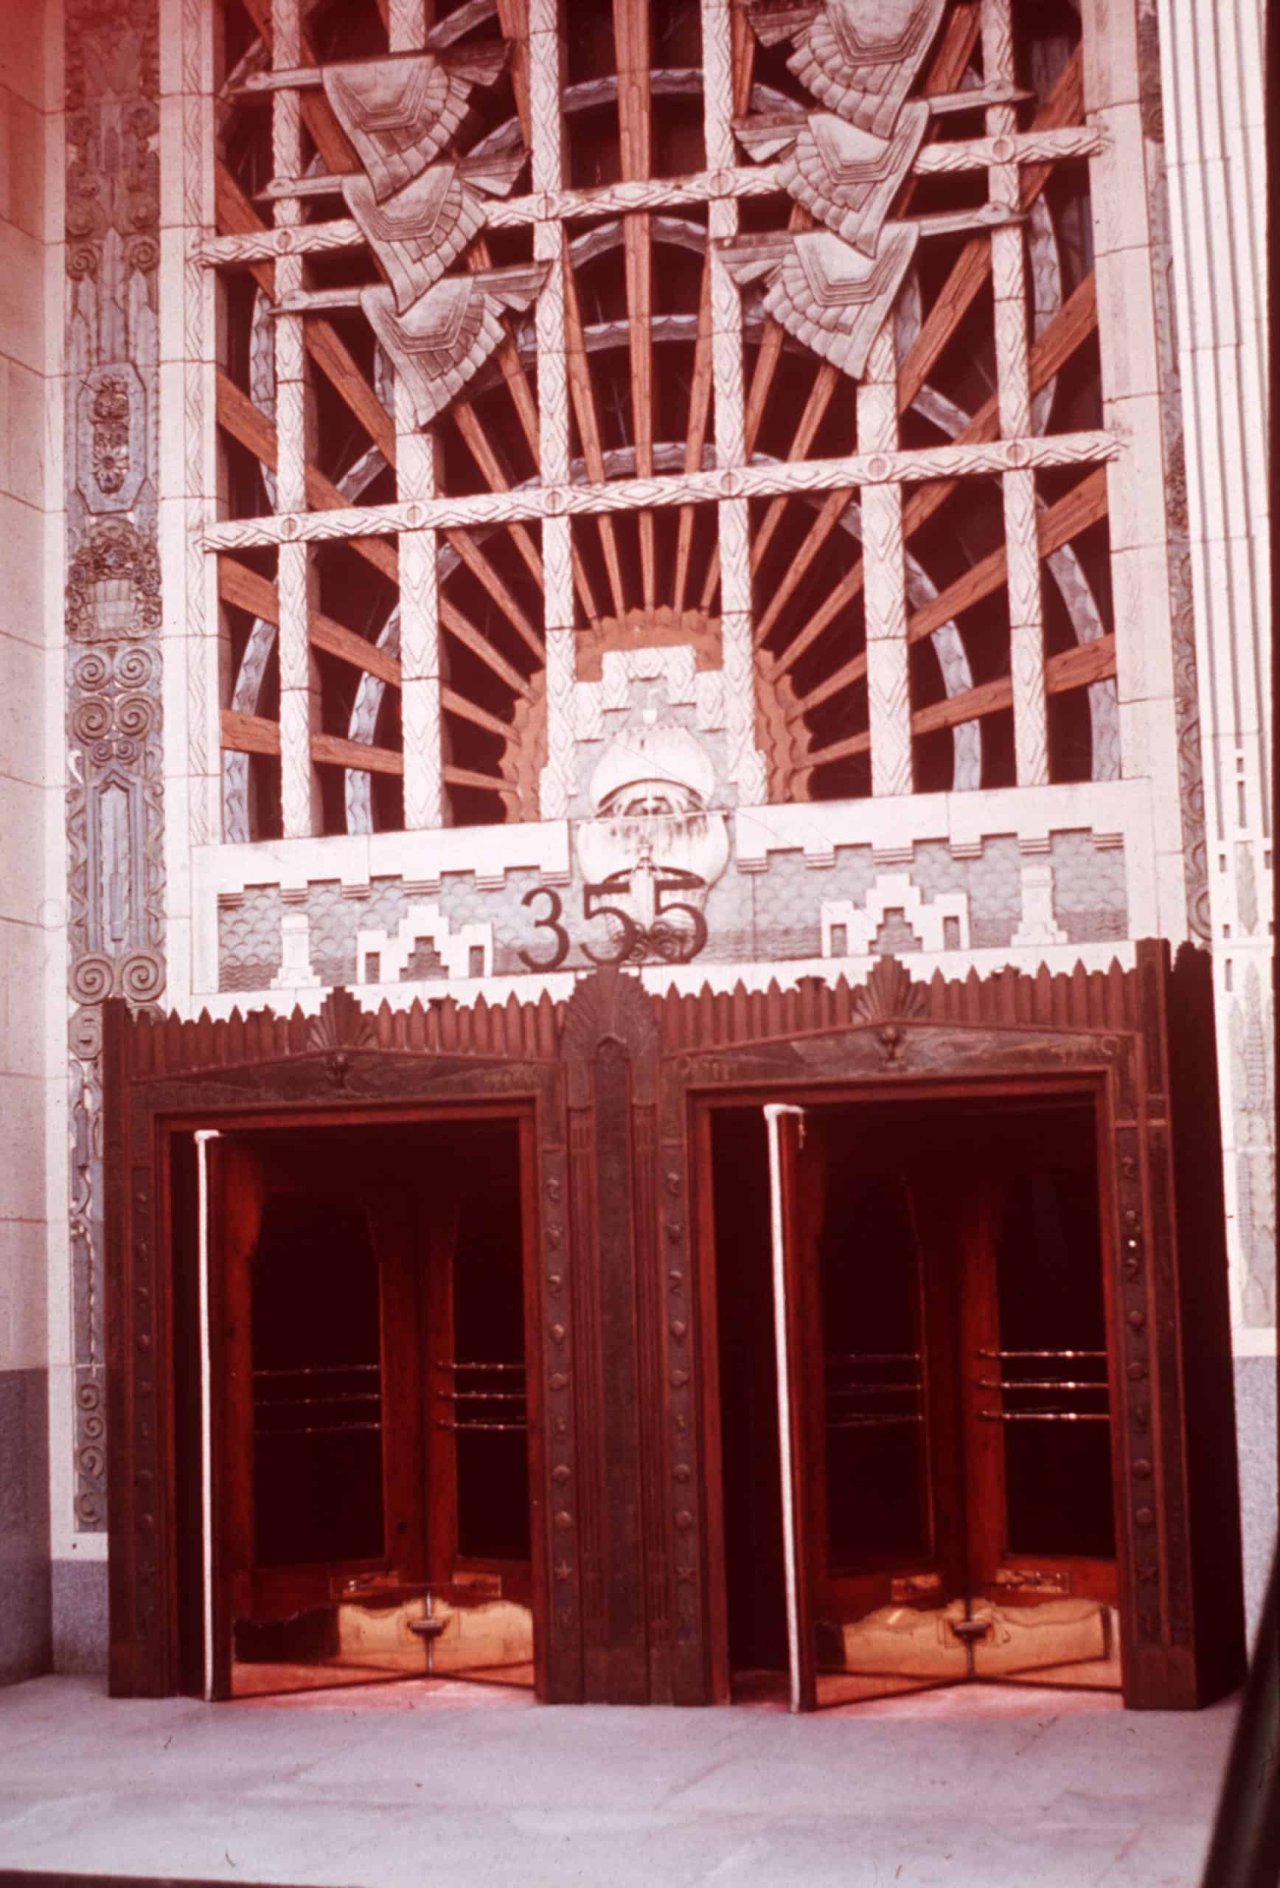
(111,437)
(446,335)
(418,215)
(831,288)
(1182,605)
(638,878)
(115,888)
(401,113)
(1252,1098)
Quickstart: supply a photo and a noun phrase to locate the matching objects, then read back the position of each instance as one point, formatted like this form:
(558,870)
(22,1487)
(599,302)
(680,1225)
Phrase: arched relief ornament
(610,1013)
(888,999)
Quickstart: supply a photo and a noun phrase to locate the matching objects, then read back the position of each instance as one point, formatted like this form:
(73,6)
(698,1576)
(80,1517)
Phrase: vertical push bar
(777,1229)
(203,1137)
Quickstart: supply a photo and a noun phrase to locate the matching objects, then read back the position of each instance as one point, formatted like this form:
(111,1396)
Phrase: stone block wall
(30,217)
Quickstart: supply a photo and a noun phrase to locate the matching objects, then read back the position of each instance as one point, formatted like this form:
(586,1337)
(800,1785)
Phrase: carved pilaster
(888,690)
(115,810)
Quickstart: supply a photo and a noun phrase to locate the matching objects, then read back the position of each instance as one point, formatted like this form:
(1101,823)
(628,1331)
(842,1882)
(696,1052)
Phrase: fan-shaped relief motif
(826,294)
(419,233)
(848,178)
(643,383)
(859,57)
(400,114)
(441,340)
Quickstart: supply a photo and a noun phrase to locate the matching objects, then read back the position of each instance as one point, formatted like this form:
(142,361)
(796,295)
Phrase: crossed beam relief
(829,288)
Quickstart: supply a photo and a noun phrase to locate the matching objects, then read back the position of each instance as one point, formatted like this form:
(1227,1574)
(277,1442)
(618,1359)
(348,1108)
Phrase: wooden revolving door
(368,1409)
(930,1498)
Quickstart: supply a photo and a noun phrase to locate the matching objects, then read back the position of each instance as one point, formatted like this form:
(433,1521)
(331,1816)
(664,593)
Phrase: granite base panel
(1255,1379)
(80,1620)
(25,1615)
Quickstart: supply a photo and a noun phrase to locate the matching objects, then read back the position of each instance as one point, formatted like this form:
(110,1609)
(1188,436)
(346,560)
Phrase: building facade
(647,822)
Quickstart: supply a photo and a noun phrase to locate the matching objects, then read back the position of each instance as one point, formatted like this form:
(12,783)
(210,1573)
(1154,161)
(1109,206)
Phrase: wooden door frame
(164,1080)
(614,1081)
(877,1097)
(1103,1037)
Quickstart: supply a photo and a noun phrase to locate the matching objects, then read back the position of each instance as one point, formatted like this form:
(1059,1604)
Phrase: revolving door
(930,1499)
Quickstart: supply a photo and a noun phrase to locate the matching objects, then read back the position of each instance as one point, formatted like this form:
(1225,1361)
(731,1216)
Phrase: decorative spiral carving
(92,1459)
(135,716)
(85,1034)
(89,1509)
(92,670)
(88,1394)
(135,668)
(90,720)
(143,252)
(141,976)
(92,977)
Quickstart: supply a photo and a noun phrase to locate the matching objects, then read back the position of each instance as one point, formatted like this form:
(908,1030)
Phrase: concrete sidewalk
(423,1784)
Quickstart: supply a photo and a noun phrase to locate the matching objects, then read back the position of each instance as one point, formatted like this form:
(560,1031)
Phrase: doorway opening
(367,1406)
(941,1294)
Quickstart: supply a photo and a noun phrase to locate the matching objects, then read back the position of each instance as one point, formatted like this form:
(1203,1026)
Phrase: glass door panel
(880,1620)
(1039,1428)
(373,1508)
(947,1396)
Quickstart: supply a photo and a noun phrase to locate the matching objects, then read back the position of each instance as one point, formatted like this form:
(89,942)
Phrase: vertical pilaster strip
(420,708)
(546,68)
(116,810)
(1022,548)
(1213,119)
(298,791)
(419,630)
(745,762)
(204,644)
(888,679)
(1138,478)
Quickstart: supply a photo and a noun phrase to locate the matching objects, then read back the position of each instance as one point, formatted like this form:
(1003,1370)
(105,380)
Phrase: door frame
(613,1077)
(1141,1040)
(224,1471)
(875,1098)
(166,1080)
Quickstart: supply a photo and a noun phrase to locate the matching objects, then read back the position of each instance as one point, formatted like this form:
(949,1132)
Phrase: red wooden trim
(705,1254)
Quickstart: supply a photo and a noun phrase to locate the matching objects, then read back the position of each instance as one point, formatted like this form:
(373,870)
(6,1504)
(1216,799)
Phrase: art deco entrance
(918,1486)
(1005,1340)
(366,1406)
